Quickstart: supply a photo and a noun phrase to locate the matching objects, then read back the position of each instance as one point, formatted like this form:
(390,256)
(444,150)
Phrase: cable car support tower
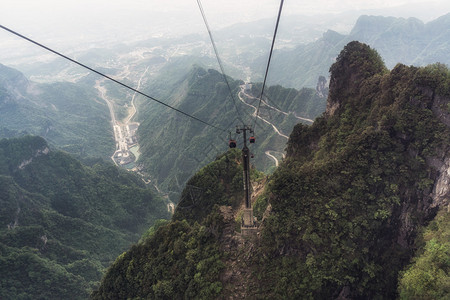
(248,225)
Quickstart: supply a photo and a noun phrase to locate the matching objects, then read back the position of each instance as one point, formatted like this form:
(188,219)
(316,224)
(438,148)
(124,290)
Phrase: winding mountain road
(283,112)
(102,91)
(240,96)
(133,112)
(272,157)
(258,116)
(273,107)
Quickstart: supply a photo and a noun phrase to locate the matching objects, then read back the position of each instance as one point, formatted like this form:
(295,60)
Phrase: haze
(84,20)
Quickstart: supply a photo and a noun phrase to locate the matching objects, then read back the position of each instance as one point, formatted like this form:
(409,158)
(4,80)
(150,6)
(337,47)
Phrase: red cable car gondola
(252,140)
(232,143)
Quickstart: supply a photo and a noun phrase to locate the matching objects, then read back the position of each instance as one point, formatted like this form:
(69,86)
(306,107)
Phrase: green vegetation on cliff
(181,259)
(219,183)
(428,277)
(356,185)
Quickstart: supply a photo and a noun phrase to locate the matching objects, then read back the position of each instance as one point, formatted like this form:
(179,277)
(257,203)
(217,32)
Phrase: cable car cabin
(232,143)
(252,140)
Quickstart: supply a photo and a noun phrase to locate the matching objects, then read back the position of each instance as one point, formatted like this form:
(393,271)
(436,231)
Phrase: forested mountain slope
(428,276)
(70,116)
(181,259)
(343,210)
(62,223)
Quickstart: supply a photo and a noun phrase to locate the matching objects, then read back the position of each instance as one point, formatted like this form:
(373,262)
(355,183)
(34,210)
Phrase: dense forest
(346,215)
(181,259)
(63,222)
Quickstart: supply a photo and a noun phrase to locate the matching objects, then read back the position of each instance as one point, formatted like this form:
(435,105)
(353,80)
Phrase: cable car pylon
(248,225)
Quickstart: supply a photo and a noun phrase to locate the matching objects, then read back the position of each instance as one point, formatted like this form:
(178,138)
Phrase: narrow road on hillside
(272,157)
(133,112)
(283,112)
(304,119)
(258,116)
(276,109)
(102,91)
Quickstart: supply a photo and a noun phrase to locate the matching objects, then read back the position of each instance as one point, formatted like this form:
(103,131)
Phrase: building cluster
(125,136)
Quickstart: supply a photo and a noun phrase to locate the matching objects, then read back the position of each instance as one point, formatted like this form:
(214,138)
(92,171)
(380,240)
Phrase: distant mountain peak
(371,27)
(11,78)
(332,36)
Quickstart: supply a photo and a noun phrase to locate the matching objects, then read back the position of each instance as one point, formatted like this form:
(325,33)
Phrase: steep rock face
(441,190)
(432,96)
(38,152)
(321,87)
(440,109)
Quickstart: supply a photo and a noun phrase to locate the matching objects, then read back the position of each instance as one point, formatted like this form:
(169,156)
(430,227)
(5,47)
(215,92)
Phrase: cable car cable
(218,58)
(268,62)
(110,78)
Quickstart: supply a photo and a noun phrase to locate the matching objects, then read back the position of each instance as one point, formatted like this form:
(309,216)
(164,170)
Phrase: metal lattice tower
(248,222)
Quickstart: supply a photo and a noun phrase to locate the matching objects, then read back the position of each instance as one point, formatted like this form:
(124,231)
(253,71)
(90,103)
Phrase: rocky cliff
(359,184)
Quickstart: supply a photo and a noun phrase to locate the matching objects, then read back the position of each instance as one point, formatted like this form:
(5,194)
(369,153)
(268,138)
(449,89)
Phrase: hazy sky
(68,22)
